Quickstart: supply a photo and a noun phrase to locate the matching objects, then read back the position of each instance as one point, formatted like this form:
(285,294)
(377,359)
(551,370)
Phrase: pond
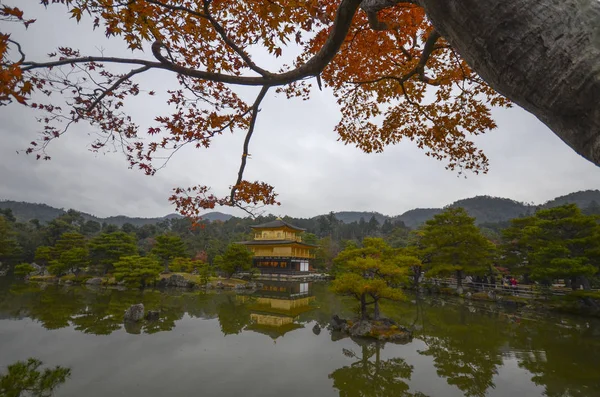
(274,342)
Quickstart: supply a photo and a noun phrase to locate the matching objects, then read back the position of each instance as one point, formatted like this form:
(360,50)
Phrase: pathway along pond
(274,343)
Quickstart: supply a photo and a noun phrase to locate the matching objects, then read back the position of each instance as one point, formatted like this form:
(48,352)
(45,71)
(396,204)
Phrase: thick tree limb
(542,55)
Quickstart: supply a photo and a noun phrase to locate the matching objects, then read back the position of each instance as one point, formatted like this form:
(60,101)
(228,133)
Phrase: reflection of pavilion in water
(277,306)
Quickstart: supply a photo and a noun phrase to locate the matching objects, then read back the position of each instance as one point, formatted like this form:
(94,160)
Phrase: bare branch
(19,49)
(253,117)
(116,85)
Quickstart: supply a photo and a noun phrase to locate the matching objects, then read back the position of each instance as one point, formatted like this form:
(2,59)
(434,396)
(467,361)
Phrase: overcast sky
(294,148)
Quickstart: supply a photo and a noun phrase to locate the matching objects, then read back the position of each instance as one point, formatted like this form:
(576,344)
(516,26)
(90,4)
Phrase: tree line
(556,243)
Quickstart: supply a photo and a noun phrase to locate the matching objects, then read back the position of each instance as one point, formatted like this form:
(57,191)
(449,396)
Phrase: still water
(274,343)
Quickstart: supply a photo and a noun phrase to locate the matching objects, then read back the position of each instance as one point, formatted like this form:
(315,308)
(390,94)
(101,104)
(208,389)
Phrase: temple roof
(275,242)
(278,223)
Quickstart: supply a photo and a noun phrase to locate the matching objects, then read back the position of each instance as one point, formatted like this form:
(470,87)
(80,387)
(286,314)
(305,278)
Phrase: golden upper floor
(277,230)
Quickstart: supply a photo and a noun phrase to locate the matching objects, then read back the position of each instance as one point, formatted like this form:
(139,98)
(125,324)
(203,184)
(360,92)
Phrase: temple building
(278,248)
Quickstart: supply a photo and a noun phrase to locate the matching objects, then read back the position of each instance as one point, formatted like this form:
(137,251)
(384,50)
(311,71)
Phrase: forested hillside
(418,216)
(485,209)
(582,199)
(25,212)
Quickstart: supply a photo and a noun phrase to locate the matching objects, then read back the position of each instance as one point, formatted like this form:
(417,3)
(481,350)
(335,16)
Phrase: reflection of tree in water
(370,376)
(97,311)
(563,360)
(24,378)
(466,344)
(233,315)
(466,348)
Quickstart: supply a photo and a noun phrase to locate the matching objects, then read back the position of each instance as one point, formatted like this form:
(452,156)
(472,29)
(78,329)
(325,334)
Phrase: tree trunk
(459,275)
(544,55)
(416,276)
(574,283)
(586,283)
(363,307)
(376,309)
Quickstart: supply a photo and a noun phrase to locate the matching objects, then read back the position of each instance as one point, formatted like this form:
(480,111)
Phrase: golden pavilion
(278,248)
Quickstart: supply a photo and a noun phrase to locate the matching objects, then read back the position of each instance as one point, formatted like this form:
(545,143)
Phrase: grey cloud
(294,149)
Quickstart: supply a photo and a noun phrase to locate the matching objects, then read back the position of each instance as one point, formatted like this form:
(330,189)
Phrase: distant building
(278,248)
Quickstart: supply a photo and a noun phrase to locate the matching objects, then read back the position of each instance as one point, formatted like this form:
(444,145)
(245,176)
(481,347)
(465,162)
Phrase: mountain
(485,209)
(418,216)
(354,216)
(45,213)
(583,199)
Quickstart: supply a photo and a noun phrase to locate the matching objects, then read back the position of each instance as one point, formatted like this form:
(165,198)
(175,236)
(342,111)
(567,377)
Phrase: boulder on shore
(175,280)
(134,313)
(94,281)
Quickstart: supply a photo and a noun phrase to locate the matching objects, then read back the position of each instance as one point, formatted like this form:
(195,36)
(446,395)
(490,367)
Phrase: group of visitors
(483,282)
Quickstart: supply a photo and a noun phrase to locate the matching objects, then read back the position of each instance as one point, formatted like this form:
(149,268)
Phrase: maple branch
(427,50)
(419,68)
(176,8)
(238,50)
(116,85)
(255,111)
(18,49)
(372,7)
(313,67)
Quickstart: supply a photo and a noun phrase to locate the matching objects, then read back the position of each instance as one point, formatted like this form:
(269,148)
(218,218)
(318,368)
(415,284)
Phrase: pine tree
(559,242)
(235,259)
(452,244)
(137,269)
(108,248)
(371,273)
(168,247)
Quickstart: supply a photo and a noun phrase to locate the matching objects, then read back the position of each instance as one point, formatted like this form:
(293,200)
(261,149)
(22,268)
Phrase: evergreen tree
(559,242)
(236,258)
(452,244)
(369,274)
(26,378)
(168,247)
(69,254)
(137,269)
(108,248)
(9,247)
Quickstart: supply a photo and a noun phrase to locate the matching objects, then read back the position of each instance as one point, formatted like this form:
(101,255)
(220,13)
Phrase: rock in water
(135,313)
(94,281)
(338,324)
(492,295)
(316,329)
(468,295)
